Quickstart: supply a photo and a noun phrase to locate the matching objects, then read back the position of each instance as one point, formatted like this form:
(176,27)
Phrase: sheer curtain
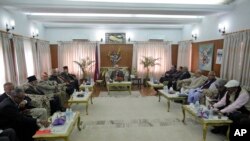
(236,60)
(8,58)
(160,50)
(2,74)
(44,57)
(35,58)
(20,59)
(29,59)
(75,51)
(184,54)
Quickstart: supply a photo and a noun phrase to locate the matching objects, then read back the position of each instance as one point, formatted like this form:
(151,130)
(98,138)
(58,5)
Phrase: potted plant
(148,62)
(85,65)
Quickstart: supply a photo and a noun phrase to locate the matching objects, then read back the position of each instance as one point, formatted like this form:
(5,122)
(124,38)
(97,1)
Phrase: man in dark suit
(117,74)
(10,117)
(69,78)
(168,74)
(184,75)
(8,135)
(26,105)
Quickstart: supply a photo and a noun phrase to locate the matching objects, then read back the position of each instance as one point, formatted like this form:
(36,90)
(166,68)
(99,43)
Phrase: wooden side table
(137,81)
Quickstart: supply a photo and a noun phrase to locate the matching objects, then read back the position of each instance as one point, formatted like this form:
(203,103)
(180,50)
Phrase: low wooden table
(156,87)
(83,86)
(170,97)
(64,134)
(207,122)
(137,80)
(77,100)
(119,84)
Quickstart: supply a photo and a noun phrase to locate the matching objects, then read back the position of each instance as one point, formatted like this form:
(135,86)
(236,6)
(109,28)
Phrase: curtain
(44,57)
(20,59)
(184,54)
(161,50)
(8,58)
(35,58)
(2,75)
(236,60)
(29,59)
(75,51)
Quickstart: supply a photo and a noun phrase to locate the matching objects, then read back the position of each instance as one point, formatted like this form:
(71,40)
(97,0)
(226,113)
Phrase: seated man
(31,86)
(60,81)
(24,126)
(215,92)
(183,75)
(69,78)
(117,74)
(193,82)
(8,135)
(235,101)
(194,94)
(25,106)
(51,87)
(168,74)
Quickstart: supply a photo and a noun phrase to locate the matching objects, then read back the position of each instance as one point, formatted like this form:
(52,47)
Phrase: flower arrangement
(134,71)
(115,56)
(148,62)
(85,65)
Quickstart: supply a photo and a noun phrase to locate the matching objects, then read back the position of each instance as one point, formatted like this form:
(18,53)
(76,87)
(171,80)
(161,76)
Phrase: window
(28,57)
(2,74)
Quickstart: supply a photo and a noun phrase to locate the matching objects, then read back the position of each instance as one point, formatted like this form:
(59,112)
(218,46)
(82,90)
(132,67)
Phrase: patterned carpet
(130,118)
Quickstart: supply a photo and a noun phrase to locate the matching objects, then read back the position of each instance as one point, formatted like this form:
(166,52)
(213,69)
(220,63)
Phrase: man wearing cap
(234,104)
(31,86)
(235,99)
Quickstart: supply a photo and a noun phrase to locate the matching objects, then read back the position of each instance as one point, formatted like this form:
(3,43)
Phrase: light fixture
(101,40)
(129,39)
(35,33)
(194,36)
(214,2)
(222,29)
(116,15)
(10,26)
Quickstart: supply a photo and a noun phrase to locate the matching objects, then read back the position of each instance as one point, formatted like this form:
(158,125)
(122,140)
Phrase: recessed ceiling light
(113,15)
(160,1)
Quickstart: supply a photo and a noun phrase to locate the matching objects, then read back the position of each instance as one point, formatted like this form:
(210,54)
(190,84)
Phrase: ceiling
(99,14)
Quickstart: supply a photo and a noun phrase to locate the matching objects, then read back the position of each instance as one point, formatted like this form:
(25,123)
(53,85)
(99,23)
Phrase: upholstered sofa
(124,70)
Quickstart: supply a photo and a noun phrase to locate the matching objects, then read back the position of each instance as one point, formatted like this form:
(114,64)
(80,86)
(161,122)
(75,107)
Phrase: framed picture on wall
(219,56)
(115,37)
(206,56)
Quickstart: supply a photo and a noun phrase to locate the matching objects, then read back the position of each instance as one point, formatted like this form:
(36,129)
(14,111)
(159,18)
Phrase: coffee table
(156,87)
(62,132)
(125,84)
(90,87)
(78,100)
(170,97)
(214,121)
